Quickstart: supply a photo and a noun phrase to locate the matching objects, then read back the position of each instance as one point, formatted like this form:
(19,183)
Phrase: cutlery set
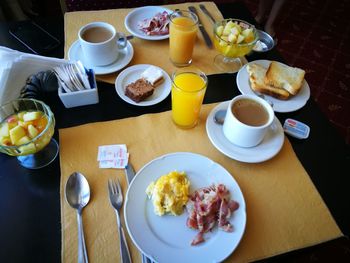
(205,35)
(77,194)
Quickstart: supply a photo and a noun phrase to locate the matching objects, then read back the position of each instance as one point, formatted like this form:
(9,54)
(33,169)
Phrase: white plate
(131,74)
(167,238)
(268,148)
(292,104)
(75,53)
(140,14)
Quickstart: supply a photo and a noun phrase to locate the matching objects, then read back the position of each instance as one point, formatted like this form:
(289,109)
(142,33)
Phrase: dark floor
(315,35)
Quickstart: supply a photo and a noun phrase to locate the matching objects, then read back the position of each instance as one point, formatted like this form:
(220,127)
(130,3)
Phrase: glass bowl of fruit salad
(26,130)
(233,38)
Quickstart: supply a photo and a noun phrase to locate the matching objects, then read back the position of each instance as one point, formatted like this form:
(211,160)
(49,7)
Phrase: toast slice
(257,82)
(285,77)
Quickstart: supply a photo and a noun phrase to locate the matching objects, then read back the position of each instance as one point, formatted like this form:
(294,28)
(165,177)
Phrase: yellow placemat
(145,51)
(284,209)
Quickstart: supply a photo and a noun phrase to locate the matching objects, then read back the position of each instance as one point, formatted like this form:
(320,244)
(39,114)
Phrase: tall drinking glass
(187,93)
(183,32)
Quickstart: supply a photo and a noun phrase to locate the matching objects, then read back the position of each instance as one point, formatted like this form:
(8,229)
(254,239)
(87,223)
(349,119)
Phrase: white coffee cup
(101,43)
(247,120)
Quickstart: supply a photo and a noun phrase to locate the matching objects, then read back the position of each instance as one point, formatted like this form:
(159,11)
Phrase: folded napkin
(145,51)
(284,210)
(16,67)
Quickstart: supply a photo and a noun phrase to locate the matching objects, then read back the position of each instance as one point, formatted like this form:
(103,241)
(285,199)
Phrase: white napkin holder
(81,97)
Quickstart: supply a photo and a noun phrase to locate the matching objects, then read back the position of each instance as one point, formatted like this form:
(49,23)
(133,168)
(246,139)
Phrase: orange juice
(182,36)
(187,95)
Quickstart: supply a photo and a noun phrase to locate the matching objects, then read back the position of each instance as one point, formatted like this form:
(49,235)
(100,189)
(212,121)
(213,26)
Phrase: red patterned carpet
(315,35)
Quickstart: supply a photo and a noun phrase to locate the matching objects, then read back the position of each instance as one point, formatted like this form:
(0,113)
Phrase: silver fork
(116,198)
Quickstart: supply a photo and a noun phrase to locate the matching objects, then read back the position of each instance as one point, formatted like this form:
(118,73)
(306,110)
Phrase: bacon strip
(209,205)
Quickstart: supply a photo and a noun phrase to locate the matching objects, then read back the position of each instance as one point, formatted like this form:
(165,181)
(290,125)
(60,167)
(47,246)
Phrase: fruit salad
(234,38)
(22,129)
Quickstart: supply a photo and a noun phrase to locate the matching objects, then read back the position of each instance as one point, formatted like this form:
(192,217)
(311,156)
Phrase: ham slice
(157,25)
(208,206)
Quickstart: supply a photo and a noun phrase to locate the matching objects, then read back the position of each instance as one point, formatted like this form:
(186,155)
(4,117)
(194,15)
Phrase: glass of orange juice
(187,93)
(182,36)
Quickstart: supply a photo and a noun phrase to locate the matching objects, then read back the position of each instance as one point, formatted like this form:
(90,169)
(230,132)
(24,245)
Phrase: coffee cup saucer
(75,53)
(268,148)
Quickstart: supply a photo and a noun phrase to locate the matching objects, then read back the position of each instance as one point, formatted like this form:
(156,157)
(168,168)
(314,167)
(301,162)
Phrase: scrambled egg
(169,193)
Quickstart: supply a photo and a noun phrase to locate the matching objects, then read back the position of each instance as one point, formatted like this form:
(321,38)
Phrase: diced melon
(17,133)
(232,38)
(248,34)
(33,115)
(32,131)
(228,27)
(23,140)
(219,30)
(20,115)
(4,129)
(27,149)
(240,39)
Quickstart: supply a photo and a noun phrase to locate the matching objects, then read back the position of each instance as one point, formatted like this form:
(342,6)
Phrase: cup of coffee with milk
(247,120)
(101,43)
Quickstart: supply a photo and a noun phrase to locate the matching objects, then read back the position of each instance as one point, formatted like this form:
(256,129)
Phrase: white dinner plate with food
(268,148)
(138,15)
(75,53)
(292,104)
(167,238)
(131,74)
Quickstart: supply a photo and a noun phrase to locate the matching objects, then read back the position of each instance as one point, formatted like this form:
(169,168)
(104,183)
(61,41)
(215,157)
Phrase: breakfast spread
(278,80)
(208,206)
(157,25)
(144,87)
(169,193)
(20,128)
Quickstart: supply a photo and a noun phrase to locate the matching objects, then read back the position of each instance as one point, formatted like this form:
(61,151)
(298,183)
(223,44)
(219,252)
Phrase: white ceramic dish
(268,148)
(167,238)
(131,74)
(294,103)
(140,14)
(75,53)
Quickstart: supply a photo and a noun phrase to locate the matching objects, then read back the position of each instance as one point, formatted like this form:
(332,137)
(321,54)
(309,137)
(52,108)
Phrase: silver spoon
(77,196)
(219,117)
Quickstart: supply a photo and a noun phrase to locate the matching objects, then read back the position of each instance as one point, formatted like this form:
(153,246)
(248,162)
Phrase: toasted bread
(285,77)
(257,76)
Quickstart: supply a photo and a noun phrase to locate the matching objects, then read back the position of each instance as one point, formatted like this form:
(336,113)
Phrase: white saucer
(125,56)
(268,148)
(131,74)
(292,104)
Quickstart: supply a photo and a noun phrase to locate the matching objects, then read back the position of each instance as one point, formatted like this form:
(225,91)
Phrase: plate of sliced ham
(149,22)
(212,224)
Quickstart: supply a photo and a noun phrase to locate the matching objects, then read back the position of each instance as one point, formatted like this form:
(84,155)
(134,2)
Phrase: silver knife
(130,173)
(205,11)
(201,28)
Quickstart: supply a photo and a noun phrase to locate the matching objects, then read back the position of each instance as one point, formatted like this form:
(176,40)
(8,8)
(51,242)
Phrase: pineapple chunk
(4,129)
(33,115)
(23,140)
(235,31)
(20,115)
(17,133)
(32,131)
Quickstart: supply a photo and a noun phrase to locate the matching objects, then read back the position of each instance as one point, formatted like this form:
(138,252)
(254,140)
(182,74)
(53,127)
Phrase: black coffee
(250,112)
(96,34)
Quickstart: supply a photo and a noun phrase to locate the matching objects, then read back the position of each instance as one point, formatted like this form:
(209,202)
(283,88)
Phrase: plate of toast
(143,85)
(282,85)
